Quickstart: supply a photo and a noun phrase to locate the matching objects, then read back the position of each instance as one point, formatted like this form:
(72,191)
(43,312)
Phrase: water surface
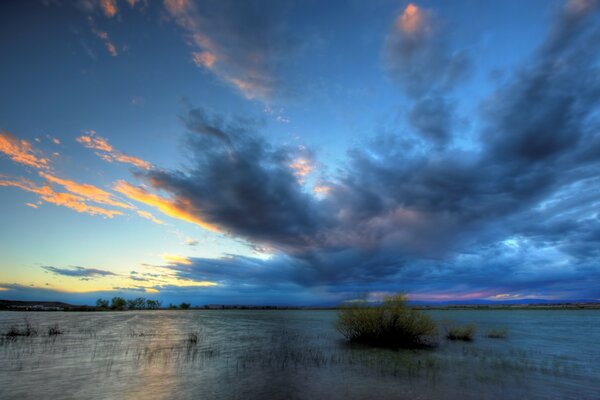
(294,354)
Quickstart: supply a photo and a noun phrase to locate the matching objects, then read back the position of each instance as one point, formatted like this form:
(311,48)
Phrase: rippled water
(294,355)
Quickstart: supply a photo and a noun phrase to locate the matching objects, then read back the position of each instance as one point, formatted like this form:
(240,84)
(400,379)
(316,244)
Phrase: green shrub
(465,333)
(497,333)
(390,324)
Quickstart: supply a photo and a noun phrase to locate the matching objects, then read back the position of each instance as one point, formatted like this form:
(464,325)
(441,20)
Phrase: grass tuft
(192,338)
(497,334)
(390,324)
(465,333)
(55,330)
(16,331)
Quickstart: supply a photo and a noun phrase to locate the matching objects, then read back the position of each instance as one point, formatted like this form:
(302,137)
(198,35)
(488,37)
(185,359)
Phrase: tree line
(139,303)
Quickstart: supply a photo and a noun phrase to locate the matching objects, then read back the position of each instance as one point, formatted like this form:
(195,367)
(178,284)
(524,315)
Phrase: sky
(299,152)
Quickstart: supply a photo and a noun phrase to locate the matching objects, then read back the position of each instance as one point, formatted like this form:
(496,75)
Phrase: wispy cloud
(109,7)
(20,151)
(149,216)
(175,259)
(175,208)
(108,153)
(69,200)
(87,191)
(240,42)
(79,272)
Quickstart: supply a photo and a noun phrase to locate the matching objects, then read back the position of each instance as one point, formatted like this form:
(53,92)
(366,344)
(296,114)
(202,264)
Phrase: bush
(465,333)
(27,330)
(390,324)
(497,333)
(54,330)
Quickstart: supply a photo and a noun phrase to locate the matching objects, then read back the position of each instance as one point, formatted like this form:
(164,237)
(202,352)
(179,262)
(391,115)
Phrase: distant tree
(185,306)
(152,304)
(102,303)
(136,304)
(172,306)
(118,304)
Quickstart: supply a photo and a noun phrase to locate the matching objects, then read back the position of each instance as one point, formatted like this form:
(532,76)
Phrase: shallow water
(294,355)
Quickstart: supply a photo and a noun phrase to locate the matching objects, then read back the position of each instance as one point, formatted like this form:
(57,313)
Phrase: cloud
(149,216)
(109,7)
(87,191)
(191,242)
(103,35)
(417,53)
(109,154)
(176,260)
(20,151)
(242,43)
(176,208)
(259,195)
(79,272)
(68,200)
(395,216)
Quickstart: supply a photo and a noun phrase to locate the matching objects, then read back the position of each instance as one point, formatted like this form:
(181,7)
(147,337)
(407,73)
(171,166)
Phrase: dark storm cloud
(242,183)
(395,215)
(78,272)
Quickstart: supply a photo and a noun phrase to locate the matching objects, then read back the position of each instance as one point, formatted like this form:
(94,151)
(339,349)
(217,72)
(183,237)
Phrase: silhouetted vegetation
(26,330)
(121,304)
(465,333)
(54,330)
(102,303)
(390,324)
(497,334)
(118,304)
(185,306)
(192,338)
(152,304)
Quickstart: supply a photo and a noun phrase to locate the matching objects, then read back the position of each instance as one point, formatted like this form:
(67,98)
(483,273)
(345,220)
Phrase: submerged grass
(390,324)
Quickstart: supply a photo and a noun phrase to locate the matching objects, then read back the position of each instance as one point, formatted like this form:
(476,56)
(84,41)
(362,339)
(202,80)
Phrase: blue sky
(282,152)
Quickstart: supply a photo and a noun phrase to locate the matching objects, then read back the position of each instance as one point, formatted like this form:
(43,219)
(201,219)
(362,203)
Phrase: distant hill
(37,305)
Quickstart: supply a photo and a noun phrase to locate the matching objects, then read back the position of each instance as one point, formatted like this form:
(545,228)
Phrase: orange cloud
(20,151)
(109,7)
(411,20)
(92,141)
(150,217)
(204,59)
(110,47)
(302,167)
(178,208)
(103,35)
(321,189)
(89,192)
(68,200)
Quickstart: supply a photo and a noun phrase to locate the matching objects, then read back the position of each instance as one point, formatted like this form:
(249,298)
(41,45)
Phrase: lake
(295,354)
